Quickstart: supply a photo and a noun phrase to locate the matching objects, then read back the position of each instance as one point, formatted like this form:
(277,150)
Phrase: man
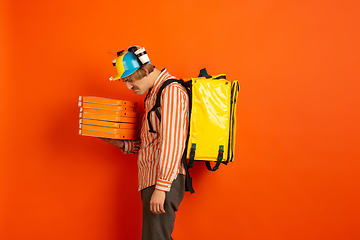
(161,173)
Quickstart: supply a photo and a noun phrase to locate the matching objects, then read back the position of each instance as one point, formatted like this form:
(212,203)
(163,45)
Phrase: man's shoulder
(174,87)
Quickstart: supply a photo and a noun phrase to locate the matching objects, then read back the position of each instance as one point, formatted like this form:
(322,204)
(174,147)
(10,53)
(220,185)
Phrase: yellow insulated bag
(212,120)
(212,128)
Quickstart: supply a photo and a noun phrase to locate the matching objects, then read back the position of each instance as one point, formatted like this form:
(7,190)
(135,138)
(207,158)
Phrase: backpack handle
(203,73)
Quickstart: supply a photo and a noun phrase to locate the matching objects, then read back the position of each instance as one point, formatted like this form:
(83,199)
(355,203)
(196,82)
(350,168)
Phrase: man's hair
(140,73)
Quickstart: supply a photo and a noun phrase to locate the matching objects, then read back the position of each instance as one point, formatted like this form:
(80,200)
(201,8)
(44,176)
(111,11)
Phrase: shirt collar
(159,80)
(157,83)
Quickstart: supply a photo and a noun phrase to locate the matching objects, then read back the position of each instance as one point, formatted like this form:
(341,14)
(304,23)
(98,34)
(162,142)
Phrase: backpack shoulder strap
(158,98)
(187,85)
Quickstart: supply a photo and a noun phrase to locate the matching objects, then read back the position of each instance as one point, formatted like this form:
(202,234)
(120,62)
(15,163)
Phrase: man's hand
(157,202)
(115,142)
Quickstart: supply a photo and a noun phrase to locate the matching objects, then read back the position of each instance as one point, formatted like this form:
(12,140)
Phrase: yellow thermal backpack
(212,124)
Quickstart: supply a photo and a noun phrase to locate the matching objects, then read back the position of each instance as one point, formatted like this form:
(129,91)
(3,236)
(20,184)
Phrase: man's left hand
(157,202)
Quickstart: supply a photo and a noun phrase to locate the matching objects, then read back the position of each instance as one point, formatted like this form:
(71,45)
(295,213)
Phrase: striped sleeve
(173,132)
(131,147)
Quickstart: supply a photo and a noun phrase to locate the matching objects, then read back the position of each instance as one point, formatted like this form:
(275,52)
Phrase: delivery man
(161,174)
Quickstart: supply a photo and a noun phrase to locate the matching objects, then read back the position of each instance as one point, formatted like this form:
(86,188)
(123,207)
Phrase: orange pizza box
(109,101)
(128,117)
(123,136)
(99,123)
(104,111)
(106,106)
(108,124)
(108,129)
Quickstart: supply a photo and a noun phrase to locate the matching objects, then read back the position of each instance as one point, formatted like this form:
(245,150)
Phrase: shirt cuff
(163,185)
(128,147)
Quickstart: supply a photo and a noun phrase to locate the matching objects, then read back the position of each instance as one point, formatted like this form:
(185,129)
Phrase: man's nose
(129,85)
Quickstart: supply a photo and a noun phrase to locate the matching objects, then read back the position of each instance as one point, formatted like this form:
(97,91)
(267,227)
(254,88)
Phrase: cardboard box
(106,106)
(109,101)
(108,118)
(108,129)
(108,124)
(122,136)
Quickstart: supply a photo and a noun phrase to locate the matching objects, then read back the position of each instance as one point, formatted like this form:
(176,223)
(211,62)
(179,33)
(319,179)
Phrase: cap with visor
(128,61)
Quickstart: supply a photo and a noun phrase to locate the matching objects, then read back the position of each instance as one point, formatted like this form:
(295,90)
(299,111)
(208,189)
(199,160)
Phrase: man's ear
(146,72)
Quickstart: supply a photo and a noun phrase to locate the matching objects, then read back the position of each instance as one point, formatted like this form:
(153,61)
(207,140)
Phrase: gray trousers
(160,226)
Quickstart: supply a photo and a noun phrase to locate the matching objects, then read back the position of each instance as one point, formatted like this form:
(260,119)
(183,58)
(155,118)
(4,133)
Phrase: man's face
(139,86)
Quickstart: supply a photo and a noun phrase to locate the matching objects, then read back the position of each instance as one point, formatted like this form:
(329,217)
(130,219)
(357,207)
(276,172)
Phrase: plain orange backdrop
(296,171)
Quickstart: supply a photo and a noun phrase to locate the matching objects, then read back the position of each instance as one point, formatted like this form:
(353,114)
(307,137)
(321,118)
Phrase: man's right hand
(115,142)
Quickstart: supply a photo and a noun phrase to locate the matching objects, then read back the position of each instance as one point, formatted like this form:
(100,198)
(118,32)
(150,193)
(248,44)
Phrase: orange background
(296,170)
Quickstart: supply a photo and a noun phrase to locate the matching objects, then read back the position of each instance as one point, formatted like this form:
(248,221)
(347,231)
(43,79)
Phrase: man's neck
(153,76)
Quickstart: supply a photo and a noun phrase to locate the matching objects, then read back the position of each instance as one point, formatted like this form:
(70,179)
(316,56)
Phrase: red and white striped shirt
(160,153)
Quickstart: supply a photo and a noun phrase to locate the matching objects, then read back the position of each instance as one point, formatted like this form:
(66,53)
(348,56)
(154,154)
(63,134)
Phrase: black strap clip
(219,159)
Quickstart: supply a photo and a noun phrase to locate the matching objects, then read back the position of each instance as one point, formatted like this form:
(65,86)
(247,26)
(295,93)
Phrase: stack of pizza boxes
(108,118)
